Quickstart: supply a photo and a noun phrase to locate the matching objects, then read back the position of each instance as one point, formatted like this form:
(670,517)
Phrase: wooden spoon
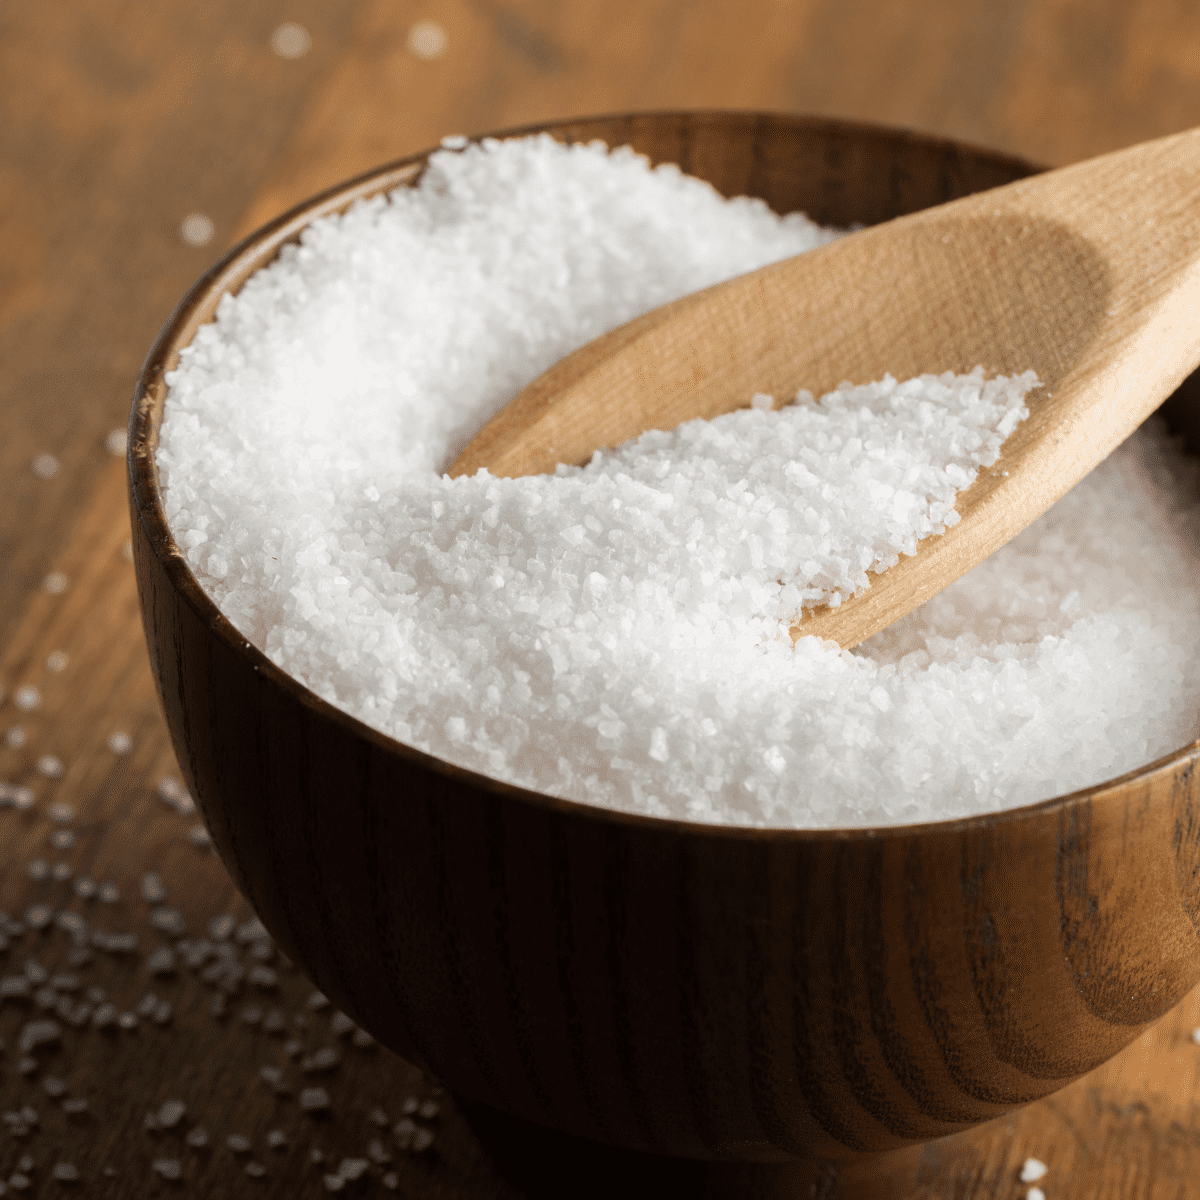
(1089,275)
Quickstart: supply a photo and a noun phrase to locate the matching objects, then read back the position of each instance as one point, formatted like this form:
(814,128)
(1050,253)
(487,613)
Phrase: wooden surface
(963,285)
(118,120)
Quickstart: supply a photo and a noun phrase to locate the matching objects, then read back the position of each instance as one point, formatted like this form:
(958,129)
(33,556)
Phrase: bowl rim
(257,250)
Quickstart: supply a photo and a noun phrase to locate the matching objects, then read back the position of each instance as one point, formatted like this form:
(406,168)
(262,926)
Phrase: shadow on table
(545,1165)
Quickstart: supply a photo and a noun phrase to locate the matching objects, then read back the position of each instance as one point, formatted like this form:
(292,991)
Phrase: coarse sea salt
(617,633)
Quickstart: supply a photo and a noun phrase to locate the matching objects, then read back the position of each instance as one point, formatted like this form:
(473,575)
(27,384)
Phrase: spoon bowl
(685,989)
(1089,275)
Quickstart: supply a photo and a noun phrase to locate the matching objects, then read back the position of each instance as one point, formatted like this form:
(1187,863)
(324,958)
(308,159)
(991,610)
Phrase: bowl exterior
(683,989)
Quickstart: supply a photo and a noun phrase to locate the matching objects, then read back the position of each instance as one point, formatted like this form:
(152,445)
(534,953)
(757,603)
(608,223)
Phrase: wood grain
(117,120)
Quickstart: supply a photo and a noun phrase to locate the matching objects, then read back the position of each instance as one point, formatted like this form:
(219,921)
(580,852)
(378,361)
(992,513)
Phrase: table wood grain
(116,121)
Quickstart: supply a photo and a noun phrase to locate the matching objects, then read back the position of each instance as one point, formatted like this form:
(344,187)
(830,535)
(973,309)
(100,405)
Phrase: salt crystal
(38,1033)
(104,1015)
(197,1137)
(56,583)
(168,920)
(197,229)
(38,916)
(324,1059)
(120,743)
(290,40)
(426,39)
(176,795)
(314,1099)
(45,466)
(263,977)
(1032,1170)
(65,1172)
(168,1168)
(72,923)
(27,698)
(219,928)
(161,962)
(152,888)
(271,1075)
(252,930)
(237,1143)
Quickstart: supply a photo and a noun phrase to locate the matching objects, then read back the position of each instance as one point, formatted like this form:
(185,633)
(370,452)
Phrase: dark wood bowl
(671,987)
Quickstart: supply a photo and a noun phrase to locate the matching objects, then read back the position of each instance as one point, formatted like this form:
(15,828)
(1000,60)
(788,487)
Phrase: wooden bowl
(678,988)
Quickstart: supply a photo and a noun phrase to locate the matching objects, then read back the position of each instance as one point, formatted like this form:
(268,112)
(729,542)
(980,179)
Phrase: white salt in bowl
(684,989)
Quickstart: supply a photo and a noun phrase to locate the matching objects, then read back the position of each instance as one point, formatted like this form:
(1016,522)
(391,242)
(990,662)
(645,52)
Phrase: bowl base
(543,1164)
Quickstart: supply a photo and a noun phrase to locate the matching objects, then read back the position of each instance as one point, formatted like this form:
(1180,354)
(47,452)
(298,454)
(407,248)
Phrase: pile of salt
(617,633)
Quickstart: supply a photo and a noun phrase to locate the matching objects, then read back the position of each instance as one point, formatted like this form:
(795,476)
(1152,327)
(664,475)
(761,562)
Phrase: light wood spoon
(1089,275)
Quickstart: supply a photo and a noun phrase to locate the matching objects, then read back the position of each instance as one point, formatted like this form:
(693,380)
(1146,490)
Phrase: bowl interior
(839,173)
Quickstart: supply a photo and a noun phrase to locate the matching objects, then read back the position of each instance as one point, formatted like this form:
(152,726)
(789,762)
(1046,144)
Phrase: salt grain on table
(636,611)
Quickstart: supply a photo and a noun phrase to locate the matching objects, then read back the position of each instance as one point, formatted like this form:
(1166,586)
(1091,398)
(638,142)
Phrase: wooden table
(120,119)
